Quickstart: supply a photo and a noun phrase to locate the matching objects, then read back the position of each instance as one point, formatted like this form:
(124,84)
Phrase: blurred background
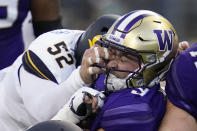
(78,14)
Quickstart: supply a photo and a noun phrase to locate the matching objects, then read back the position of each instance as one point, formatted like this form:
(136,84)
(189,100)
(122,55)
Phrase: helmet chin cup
(114,83)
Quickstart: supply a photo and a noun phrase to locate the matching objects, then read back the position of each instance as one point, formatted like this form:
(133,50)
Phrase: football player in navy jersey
(181,114)
(12,15)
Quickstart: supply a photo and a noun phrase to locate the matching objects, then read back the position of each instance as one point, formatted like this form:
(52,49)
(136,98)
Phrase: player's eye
(133,58)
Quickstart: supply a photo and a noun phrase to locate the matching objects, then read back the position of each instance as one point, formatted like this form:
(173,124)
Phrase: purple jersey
(12,15)
(133,109)
(181,86)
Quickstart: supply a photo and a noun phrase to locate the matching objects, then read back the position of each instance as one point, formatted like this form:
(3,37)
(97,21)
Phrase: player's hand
(183,45)
(86,101)
(82,104)
(92,57)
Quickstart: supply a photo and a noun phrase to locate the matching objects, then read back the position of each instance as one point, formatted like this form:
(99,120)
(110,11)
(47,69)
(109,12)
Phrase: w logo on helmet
(166,40)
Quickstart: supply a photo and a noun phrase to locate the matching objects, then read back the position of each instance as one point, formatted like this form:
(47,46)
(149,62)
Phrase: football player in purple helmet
(134,56)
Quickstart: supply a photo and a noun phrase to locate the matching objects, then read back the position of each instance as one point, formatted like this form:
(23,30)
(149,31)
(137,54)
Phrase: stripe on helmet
(128,27)
(128,20)
(123,18)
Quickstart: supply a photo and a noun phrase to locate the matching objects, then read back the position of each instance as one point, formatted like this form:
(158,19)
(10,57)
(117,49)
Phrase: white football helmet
(148,36)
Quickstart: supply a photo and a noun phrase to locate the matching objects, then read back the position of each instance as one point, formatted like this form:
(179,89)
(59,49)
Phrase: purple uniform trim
(127,120)
(126,109)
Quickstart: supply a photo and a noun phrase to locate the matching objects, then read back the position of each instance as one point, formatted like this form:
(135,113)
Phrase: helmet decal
(115,39)
(94,40)
(167,41)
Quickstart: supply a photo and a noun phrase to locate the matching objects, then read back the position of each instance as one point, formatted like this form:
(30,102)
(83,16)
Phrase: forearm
(47,95)
(177,119)
(45,19)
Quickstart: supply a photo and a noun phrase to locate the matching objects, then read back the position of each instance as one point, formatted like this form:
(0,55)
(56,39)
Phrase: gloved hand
(82,104)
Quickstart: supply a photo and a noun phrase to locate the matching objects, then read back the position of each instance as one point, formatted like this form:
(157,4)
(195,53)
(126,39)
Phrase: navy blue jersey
(12,15)
(133,109)
(181,86)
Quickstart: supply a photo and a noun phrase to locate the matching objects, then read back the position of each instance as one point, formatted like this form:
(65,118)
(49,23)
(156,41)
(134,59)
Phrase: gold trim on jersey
(35,68)
(26,61)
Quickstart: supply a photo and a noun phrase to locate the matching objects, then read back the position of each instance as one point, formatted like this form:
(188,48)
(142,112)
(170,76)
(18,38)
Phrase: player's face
(122,61)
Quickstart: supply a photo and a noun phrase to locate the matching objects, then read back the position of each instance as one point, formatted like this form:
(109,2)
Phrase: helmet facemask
(145,58)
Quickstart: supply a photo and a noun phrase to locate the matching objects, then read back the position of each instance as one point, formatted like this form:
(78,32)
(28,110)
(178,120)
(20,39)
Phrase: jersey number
(57,50)
(140,91)
(8,12)
(194,54)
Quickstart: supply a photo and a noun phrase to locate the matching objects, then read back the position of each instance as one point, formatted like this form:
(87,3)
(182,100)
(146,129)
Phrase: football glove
(82,104)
